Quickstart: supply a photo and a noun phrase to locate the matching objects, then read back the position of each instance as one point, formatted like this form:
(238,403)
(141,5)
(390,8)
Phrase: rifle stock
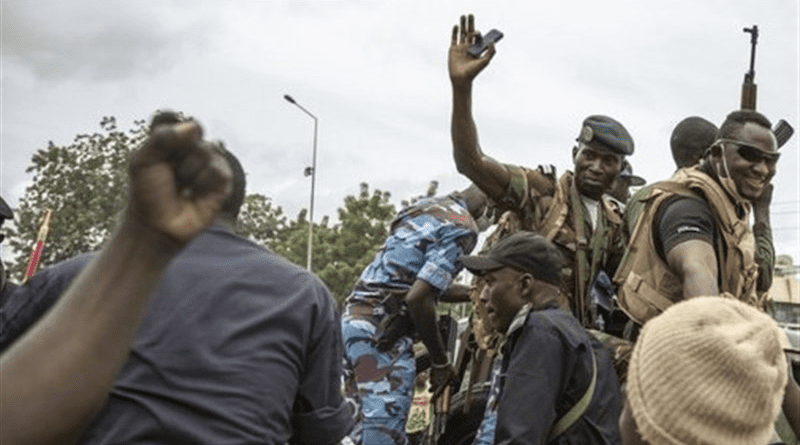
(748,96)
(749,88)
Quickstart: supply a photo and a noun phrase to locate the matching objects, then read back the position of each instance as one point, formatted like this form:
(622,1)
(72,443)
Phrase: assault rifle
(448,329)
(749,85)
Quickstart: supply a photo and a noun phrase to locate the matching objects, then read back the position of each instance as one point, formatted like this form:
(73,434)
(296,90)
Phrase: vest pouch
(639,300)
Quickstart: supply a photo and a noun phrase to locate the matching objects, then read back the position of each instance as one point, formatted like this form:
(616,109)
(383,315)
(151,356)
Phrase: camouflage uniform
(425,243)
(540,202)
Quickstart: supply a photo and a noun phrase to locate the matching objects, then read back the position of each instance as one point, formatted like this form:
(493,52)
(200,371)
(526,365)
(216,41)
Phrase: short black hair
(690,139)
(737,119)
(162,117)
(233,204)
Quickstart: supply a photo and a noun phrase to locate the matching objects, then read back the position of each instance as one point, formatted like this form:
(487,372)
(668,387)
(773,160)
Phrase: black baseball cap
(525,251)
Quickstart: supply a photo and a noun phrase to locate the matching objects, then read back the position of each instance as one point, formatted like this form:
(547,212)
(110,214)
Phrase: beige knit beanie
(709,370)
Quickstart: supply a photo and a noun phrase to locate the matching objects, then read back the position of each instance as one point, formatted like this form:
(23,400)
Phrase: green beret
(604,133)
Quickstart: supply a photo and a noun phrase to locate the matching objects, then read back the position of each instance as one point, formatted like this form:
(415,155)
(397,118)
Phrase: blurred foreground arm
(57,376)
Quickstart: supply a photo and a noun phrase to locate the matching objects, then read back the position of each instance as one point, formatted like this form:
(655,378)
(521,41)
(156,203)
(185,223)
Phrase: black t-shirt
(680,219)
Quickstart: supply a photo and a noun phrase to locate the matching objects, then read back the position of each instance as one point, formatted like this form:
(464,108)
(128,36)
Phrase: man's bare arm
(488,174)
(422,307)
(456,293)
(58,374)
(695,263)
(762,230)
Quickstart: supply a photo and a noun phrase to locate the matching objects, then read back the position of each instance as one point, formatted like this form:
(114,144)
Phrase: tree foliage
(351,244)
(260,220)
(340,252)
(85,185)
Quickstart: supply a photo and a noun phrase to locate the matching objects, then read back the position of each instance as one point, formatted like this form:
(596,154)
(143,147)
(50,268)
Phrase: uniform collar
(519,319)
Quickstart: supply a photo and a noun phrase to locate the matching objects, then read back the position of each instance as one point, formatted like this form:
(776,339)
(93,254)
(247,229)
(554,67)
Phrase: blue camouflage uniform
(425,243)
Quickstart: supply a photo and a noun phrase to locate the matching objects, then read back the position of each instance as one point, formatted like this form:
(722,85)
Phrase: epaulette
(547,170)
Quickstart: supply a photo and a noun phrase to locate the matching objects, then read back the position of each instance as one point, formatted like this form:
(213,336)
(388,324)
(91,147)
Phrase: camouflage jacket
(537,200)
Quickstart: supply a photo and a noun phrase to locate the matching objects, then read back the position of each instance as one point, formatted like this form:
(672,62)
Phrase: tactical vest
(553,208)
(646,285)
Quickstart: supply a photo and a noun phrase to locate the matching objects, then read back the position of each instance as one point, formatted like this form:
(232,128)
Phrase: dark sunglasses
(753,154)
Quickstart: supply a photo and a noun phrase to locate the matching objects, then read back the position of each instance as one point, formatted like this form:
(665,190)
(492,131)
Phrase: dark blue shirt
(546,369)
(24,305)
(239,346)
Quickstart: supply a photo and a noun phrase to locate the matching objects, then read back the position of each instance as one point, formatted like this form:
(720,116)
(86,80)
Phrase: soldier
(571,210)
(689,142)
(393,302)
(693,237)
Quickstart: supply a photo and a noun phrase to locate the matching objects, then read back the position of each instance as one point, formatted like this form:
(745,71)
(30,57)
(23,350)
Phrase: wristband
(442,366)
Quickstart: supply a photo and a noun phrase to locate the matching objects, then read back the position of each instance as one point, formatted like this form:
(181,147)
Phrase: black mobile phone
(480,46)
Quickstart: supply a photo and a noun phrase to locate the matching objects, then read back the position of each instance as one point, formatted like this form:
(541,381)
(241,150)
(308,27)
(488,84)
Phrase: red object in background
(36,254)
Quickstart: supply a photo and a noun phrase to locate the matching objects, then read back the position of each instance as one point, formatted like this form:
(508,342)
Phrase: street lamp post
(313,172)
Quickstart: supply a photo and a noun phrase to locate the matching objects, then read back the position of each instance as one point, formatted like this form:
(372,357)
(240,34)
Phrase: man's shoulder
(232,256)
(540,178)
(56,278)
(557,322)
(682,206)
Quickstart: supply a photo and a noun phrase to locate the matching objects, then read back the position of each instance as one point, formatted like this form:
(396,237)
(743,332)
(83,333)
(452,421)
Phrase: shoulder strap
(557,213)
(575,413)
(582,246)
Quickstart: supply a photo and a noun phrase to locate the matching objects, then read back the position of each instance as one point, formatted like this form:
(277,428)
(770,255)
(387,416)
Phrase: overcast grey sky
(375,75)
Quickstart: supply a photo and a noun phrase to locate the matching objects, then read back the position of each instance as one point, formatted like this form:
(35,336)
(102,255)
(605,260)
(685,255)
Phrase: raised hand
(178,182)
(764,200)
(462,66)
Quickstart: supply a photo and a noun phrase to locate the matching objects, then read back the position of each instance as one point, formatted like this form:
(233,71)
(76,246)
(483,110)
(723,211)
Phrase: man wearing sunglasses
(694,238)
(689,144)
(694,235)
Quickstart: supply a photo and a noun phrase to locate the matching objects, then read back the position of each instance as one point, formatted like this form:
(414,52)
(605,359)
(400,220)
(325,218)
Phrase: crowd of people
(180,331)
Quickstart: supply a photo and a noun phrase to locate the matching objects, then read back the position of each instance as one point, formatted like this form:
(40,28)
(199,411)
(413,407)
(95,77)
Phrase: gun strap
(582,245)
(575,413)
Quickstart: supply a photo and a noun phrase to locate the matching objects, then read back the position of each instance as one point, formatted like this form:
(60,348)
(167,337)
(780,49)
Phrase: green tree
(85,185)
(340,252)
(260,220)
(292,240)
(363,226)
